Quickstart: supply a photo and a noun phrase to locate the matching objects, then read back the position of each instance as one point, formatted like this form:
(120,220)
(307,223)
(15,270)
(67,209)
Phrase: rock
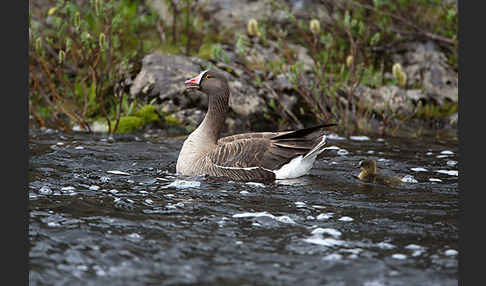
(162,77)
(190,117)
(302,56)
(233,15)
(389,97)
(427,67)
(244,99)
(453,119)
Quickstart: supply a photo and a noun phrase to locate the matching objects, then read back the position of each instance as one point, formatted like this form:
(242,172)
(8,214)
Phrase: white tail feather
(299,165)
(316,150)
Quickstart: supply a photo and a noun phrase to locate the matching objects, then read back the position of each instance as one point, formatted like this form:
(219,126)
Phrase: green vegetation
(82,55)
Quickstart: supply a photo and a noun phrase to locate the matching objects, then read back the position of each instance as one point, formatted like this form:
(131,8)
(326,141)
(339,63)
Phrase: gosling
(368,174)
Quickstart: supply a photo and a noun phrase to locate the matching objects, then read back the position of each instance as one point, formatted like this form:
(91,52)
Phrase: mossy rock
(128,124)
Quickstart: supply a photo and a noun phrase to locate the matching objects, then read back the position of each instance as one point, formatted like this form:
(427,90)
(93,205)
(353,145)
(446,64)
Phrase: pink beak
(195,81)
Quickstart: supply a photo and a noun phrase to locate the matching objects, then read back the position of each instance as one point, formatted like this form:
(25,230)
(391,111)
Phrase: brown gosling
(368,174)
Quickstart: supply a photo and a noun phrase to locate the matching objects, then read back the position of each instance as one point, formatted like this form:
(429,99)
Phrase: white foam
(244,193)
(299,204)
(346,218)
(435,180)
(419,169)
(451,252)
(374,283)
(135,236)
(385,245)
(449,172)
(441,156)
(399,256)
(45,190)
(416,253)
(414,247)
(329,231)
(284,219)
(183,184)
(451,163)
(324,216)
(333,256)
(417,249)
(318,207)
(258,185)
(447,152)
(104,179)
(359,138)
(409,179)
(94,188)
(257,214)
(317,239)
(342,152)
(68,188)
(116,172)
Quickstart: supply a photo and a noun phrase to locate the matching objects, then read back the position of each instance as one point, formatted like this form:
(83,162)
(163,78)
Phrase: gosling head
(368,166)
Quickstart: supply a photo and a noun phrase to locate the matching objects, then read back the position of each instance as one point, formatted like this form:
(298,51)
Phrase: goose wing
(268,150)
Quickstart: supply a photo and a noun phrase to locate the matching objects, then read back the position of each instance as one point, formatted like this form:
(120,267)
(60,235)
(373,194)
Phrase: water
(112,210)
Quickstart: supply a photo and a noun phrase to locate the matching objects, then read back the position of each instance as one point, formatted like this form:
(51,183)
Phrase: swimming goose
(258,156)
(368,174)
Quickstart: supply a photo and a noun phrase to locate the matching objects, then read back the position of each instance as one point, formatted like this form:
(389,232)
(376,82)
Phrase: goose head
(209,82)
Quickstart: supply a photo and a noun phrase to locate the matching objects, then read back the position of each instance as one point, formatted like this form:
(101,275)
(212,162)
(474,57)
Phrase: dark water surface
(111,211)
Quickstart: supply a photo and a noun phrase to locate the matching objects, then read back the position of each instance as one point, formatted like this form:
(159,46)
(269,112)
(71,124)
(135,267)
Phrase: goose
(369,174)
(254,156)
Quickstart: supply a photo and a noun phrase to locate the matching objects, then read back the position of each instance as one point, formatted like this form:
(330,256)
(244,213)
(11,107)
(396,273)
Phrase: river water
(111,211)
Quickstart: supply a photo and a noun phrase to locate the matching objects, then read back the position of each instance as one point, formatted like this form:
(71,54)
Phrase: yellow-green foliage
(143,116)
(205,51)
(171,120)
(430,111)
(128,124)
(147,114)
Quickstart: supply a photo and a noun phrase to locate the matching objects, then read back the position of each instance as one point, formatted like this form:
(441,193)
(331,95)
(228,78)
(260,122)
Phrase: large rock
(427,67)
(233,15)
(162,78)
(390,97)
(430,80)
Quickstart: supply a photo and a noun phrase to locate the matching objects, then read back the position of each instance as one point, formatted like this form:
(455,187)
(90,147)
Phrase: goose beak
(195,81)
